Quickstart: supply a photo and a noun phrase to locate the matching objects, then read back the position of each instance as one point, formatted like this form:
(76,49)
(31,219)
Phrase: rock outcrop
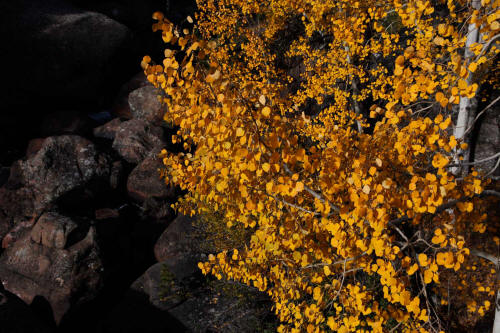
(58,259)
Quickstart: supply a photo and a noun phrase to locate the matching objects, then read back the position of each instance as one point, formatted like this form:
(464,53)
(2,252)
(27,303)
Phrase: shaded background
(70,55)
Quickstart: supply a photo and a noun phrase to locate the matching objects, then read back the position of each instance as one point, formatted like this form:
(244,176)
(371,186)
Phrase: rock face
(108,130)
(63,164)
(135,140)
(53,230)
(144,105)
(144,181)
(177,249)
(159,300)
(57,260)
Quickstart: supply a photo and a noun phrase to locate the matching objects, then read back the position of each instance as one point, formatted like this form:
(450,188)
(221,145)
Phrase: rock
(106,213)
(121,107)
(117,174)
(65,122)
(144,181)
(194,307)
(17,231)
(135,140)
(52,230)
(108,130)
(63,164)
(144,105)
(137,311)
(34,145)
(17,205)
(71,52)
(65,277)
(177,247)
(4,175)
(17,317)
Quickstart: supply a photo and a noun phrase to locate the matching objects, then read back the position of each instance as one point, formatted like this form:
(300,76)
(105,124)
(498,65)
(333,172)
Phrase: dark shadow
(41,307)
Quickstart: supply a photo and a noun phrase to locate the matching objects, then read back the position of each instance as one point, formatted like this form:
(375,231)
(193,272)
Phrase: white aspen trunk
(468,106)
(496,322)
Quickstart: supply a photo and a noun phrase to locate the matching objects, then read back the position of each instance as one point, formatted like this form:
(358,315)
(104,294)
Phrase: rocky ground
(89,242)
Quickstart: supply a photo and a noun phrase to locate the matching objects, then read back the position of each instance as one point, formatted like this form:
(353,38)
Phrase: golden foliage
(352,229)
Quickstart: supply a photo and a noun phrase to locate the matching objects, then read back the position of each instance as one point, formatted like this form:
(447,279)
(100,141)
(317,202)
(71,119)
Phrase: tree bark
(467,106)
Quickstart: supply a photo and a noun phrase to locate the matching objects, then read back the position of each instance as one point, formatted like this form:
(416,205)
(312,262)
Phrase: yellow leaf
(422,258)
(240,131)
(266,111)
(428,276)
(262,99)
(266,167)
(400,60)
(158,16)
(473,67)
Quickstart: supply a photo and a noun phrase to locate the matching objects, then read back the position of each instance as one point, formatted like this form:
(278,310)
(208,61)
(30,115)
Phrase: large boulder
(108,130)
(58,52)
(135,140)
(58,260)
(144,181)
(161,301)
(178,247)
(62,164)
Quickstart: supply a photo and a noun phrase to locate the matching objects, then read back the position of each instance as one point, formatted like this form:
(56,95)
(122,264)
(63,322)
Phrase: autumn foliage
(326,129)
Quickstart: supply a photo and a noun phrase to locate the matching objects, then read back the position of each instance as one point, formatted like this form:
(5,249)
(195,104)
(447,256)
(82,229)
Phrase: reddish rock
(117,174)
(17,205)
(108,130)
(135,140)
(34,146)
(106,213)
(144,181)
(53,230)
(145,105)
(17,231)
(63,276)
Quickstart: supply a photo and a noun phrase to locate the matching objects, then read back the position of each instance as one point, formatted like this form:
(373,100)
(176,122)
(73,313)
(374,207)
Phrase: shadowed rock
(145,105)
(135,140)
(58,259)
